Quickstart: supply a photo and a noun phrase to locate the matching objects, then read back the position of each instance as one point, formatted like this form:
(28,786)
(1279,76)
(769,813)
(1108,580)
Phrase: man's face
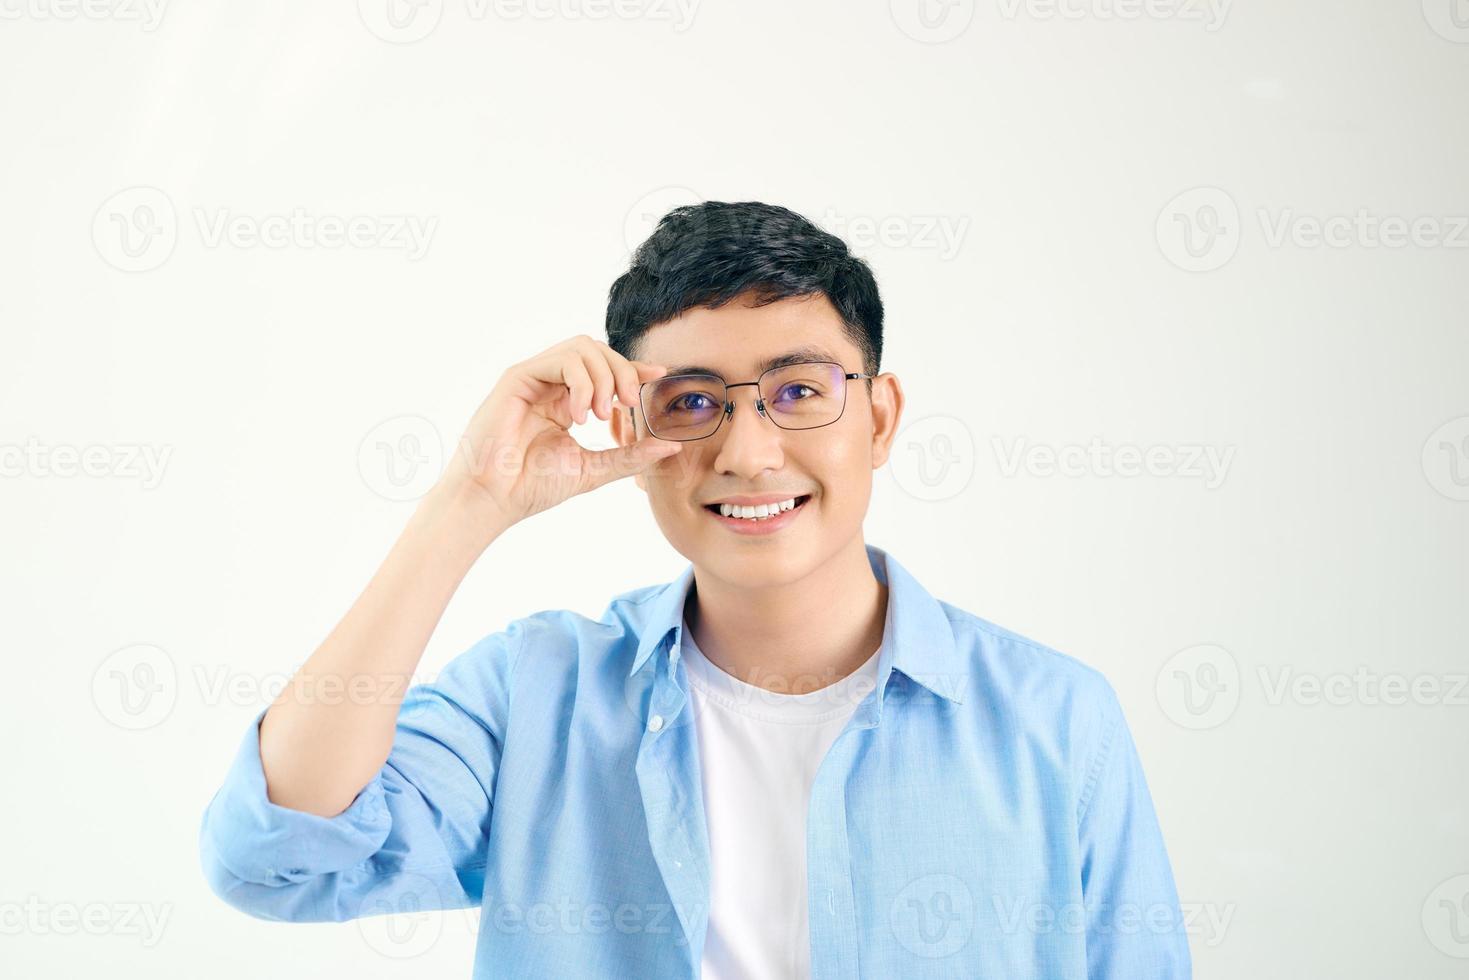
(830,466)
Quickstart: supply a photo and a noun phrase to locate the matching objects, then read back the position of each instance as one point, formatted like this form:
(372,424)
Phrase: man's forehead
(761,363)
(702,341)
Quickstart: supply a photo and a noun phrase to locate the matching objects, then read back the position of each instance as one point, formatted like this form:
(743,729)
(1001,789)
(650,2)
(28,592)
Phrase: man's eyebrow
(808,352)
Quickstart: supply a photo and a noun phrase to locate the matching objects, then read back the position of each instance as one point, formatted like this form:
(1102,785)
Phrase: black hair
(709,253)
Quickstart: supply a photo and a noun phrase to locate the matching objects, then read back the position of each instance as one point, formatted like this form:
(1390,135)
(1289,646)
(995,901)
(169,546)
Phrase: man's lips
(800,499)
(772,523)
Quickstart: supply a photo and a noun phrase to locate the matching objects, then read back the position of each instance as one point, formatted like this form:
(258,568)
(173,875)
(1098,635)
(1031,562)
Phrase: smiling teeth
(758,512)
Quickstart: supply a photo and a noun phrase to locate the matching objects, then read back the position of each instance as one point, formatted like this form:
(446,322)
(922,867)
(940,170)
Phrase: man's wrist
(458,518)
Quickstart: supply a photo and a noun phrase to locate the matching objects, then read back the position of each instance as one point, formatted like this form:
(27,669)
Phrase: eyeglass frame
(759,399)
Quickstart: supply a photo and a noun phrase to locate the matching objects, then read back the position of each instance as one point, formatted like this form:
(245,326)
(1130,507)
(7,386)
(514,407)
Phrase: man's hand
(517,456)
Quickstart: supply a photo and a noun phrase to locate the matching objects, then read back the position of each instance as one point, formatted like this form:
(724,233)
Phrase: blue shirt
(983,814)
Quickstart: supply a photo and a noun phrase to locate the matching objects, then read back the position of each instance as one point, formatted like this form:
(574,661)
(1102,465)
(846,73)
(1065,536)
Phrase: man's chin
(755,565)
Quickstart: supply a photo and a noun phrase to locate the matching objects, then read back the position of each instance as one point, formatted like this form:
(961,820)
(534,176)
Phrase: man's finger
(606,465)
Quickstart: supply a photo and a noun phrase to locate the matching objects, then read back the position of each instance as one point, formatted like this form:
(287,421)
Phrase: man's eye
(786,392)
(682,403)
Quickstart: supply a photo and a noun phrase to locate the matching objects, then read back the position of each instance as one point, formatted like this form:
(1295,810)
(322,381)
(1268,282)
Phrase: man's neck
(794,638)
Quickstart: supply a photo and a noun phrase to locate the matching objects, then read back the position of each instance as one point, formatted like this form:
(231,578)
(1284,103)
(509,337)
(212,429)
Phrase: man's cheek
(681,470)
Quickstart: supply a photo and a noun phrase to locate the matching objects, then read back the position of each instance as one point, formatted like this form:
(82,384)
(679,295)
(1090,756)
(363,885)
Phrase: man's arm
(331,728)
(1135,928)
(414,838)
(516,458)
(342,787)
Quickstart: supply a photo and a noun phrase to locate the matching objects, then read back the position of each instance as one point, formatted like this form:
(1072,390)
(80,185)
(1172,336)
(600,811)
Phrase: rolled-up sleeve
(414,838)
(1135,926)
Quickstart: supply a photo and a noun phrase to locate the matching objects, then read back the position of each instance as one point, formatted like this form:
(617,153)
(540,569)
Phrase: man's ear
(624,430)
(887,413)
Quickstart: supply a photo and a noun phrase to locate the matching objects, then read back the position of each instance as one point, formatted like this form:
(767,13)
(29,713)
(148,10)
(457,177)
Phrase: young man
(792,761)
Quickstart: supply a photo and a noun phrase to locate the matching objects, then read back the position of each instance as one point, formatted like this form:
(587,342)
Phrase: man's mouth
(760,512)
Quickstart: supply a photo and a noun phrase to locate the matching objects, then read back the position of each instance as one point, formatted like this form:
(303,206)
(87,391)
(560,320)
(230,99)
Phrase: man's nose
(750,444)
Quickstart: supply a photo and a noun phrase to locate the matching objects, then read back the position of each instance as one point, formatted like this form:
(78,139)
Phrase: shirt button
(655,723)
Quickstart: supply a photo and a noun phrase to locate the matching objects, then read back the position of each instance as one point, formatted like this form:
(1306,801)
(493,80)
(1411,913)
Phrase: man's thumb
(614,464)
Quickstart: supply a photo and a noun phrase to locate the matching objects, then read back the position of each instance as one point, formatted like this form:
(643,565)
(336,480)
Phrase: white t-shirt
(758,754)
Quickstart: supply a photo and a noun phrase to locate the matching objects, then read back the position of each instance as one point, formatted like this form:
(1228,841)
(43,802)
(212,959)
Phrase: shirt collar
(916,640)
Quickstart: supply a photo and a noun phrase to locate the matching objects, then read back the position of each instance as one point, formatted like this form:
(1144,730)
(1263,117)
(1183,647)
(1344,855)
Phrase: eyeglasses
(805,395)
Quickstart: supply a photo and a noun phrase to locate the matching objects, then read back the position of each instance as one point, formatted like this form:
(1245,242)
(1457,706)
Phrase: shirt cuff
(254,840)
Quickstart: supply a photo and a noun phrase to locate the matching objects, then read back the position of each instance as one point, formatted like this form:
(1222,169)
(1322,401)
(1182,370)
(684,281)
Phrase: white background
(288,392)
